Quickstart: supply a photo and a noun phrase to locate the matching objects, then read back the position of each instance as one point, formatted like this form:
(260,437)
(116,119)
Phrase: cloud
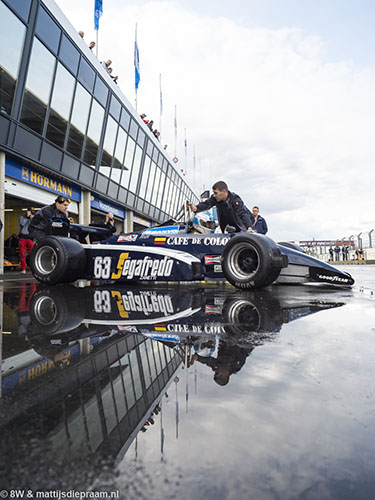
(289,130)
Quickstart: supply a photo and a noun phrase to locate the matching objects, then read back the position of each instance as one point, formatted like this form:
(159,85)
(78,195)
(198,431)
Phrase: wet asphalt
(194,392)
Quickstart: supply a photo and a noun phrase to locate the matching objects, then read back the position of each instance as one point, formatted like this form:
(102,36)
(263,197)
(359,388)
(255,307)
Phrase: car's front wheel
(251,261)
(57,260)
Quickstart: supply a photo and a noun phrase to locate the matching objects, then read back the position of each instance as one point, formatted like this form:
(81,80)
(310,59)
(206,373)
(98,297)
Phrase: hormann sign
(41,180)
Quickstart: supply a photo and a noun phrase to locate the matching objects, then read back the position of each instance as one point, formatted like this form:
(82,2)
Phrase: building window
(128,162)
(135,170)
(69,55)
(93,133)
(108,146)
(48,30)
(38,87)
(79,120)
(119,155)
(61,103)
(146,171)
(12,35)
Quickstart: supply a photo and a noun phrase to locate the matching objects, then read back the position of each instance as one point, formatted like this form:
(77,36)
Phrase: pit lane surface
(189,392)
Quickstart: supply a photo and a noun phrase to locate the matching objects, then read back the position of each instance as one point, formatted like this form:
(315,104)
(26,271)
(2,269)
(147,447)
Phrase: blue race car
(182,252)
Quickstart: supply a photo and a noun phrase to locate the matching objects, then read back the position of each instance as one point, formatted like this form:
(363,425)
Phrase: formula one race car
(177,253)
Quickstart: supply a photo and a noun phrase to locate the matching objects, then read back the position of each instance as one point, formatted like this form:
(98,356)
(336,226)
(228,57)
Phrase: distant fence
(359,246)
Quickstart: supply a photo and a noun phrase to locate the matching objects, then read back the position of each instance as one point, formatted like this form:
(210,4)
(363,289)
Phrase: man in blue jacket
(230,208)
(260,224)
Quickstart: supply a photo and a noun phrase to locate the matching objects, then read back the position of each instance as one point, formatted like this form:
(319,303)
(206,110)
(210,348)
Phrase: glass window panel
(155,186)
(128,162)
(119,397)
(93,133)
(101,91)
(60,106)
(150,148)
(109,408)
(119,155)
(136,374)
(165,195)
(125,119)
(48,30)
(69,55)
(150,182)
(78,122)
(115,108)
(22,7)
(160,190)
(38,87)
(141,138)
(86,74)
(12,35)
(157,357)
(135,169)
(146,171)
(133,129)
(128,382)
(145,365)
(151,358)
(109,145)
(155,154)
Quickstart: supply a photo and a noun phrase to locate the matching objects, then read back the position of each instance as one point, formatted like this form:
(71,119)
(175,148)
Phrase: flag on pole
(98,11)
(136,61)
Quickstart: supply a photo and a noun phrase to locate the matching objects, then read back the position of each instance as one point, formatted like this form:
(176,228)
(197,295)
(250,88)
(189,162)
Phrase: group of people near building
(106,64)
(150,124)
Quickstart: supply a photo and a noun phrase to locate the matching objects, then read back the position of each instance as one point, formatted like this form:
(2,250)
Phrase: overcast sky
(277,96)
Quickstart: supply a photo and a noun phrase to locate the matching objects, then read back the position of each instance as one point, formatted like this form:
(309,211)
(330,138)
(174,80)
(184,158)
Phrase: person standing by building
(40,224)
(25,242)
(337,252)
(231,210)
(260,224)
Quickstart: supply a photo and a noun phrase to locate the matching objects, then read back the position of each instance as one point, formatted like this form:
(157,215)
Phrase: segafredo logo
(147,303)
(335,279)
(145,269)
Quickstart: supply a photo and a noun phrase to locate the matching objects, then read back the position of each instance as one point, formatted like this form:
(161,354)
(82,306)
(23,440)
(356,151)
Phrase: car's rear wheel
(249,261)
(57,260)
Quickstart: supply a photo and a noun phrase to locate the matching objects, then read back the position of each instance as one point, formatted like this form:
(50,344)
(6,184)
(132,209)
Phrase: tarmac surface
(198,392)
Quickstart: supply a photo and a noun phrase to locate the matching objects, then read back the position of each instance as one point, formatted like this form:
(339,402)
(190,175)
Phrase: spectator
(107,223)
(91,45)
(165,146)
(143,116)
(25,240)
(156,134)
(41,222)
(337,252)
(106,64)
(260,224)
(114,78)
(331,254)
(150,125)
(81,34)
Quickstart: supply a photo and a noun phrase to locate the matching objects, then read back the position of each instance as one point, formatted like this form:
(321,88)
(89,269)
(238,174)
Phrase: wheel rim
(45,260)
(243,261)
(244,314)
(45,311)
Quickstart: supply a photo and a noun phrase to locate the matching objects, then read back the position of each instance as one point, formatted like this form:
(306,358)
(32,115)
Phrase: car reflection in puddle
(96,362)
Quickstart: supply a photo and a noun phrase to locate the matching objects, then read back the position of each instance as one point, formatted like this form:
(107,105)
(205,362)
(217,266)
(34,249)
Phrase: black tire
(55,310)
(57,260)
(251,261)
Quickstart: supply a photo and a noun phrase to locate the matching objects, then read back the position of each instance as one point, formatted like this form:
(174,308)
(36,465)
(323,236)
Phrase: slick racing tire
(251,261)
(251,313)
(57,260)
(55,310)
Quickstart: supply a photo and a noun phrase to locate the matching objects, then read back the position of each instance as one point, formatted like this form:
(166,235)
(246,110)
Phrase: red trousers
(24,246)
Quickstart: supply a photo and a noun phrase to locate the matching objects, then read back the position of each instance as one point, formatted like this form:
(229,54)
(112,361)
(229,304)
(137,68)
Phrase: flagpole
(185,144)
(161,103)
(136,67)
(97,44)
(98,11)
(175,130)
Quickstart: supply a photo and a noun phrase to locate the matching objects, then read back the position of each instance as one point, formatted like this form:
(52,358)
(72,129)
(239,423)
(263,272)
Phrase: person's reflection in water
(23,309)
(230,359)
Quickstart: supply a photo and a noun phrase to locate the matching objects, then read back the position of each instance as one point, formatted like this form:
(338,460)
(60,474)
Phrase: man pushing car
(231,210)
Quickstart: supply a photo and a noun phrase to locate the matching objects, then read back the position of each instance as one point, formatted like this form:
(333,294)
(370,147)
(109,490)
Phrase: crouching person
(40,225)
